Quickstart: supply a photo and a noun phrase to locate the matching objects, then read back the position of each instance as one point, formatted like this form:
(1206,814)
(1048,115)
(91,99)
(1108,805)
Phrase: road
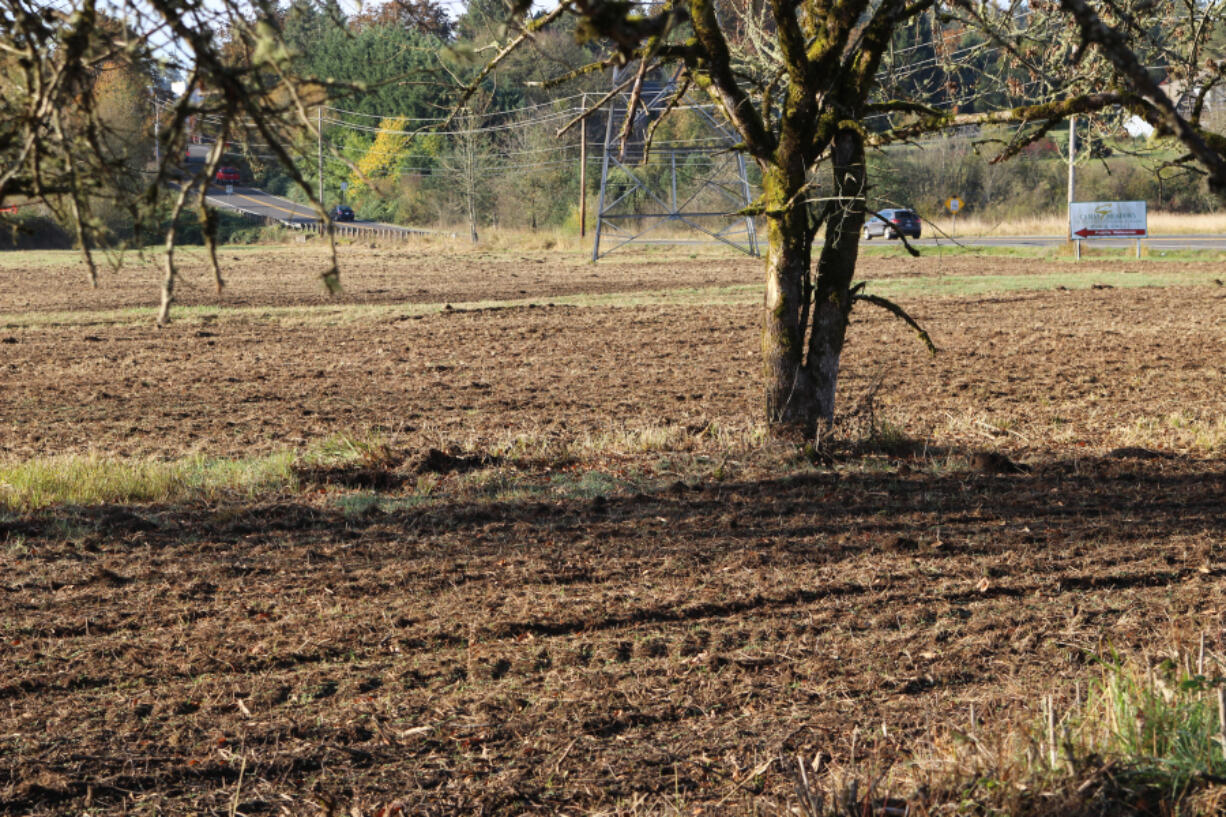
(1153,242)
(255,202)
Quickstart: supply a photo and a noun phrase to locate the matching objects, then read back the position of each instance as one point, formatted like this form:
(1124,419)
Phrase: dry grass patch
(1185,432)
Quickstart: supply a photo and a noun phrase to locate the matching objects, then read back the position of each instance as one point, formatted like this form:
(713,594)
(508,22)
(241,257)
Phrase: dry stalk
(238,786)
(1049,706)
(471,656)
(811,802)
(1221,716)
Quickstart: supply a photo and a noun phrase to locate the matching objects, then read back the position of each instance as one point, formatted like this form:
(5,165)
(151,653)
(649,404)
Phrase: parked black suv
(892,223)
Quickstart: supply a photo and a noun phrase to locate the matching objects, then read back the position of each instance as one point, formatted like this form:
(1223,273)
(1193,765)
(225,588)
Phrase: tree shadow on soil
(815,514)
(1068,525)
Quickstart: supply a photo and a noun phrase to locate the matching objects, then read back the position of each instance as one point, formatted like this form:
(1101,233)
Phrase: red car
(227,175)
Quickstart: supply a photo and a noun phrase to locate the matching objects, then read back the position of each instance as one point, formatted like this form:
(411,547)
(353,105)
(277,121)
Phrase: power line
(555,117)
(501,112)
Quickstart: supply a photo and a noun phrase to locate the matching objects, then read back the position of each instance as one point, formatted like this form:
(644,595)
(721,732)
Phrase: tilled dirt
(289,276)
(1074,367)
(625,652)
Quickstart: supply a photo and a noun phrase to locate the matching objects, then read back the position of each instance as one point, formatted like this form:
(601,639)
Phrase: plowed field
(643,625)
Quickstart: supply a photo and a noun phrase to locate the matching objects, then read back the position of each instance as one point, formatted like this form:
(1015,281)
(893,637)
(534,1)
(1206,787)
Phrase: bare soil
(563,653)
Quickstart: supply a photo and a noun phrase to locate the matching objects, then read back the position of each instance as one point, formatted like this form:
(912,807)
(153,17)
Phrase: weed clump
(1144,738)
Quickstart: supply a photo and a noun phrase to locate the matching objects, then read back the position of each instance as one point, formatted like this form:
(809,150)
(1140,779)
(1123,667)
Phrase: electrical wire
(504,112)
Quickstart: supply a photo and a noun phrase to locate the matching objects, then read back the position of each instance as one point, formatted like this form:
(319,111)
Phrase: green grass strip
(970,285)
(92,480)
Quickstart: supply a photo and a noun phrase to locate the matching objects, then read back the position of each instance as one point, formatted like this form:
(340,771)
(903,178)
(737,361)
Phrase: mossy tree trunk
(789,247)
(836,267)
(806,314)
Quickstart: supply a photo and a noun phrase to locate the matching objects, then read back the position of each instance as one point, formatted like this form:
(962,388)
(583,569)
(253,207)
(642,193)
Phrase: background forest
(393,146)
(526,177)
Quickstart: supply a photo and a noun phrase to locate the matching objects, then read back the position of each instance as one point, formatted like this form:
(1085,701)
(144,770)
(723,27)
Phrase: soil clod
(994,462)
(436,461)
(1132,452)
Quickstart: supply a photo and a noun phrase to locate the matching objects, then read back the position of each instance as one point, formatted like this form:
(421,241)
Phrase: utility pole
(157,149)
(319,130)
(583,173)
(1072,181)
(468,145)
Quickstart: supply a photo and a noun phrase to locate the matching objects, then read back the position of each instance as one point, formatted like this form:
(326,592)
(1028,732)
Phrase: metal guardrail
(344,229)
(339,228)
(242,211)
(349,230)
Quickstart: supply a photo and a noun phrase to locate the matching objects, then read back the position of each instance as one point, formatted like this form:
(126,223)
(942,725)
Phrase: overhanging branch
(897,311)
(1115,48)
(528,30)
(1042,112)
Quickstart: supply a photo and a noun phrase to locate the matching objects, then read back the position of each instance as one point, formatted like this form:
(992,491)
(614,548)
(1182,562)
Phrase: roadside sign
(1107,219)
(953,204)
(1088,232)
(229,189)
(344,186)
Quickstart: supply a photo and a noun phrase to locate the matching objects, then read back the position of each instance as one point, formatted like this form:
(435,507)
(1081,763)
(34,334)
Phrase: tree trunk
(168,287)
(789,409)
(836,267)
(805,322)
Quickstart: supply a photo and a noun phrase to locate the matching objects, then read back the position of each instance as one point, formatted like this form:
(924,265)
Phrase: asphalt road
(1153,242)
(253,201)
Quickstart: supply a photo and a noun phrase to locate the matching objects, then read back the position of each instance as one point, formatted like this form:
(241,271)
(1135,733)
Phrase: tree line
(517,173)
(388,74)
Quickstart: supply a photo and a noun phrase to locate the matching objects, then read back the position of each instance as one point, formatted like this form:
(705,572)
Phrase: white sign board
(1107,219)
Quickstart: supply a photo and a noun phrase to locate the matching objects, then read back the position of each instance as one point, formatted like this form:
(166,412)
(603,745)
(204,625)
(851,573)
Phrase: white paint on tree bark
(826,367)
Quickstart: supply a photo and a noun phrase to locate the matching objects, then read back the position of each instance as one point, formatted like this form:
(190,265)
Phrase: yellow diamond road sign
(953,204)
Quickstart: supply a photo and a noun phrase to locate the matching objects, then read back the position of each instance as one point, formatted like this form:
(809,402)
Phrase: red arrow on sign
(1086,232)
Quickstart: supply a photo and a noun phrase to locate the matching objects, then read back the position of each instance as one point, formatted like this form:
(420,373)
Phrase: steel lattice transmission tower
(688,176)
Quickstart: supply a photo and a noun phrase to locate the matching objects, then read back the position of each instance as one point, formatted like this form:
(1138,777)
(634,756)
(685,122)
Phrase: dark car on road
(891,224)
(228,175)
(342,212)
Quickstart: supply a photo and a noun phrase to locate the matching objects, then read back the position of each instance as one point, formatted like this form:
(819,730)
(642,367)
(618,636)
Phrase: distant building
(1185,95)
(1138,128)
